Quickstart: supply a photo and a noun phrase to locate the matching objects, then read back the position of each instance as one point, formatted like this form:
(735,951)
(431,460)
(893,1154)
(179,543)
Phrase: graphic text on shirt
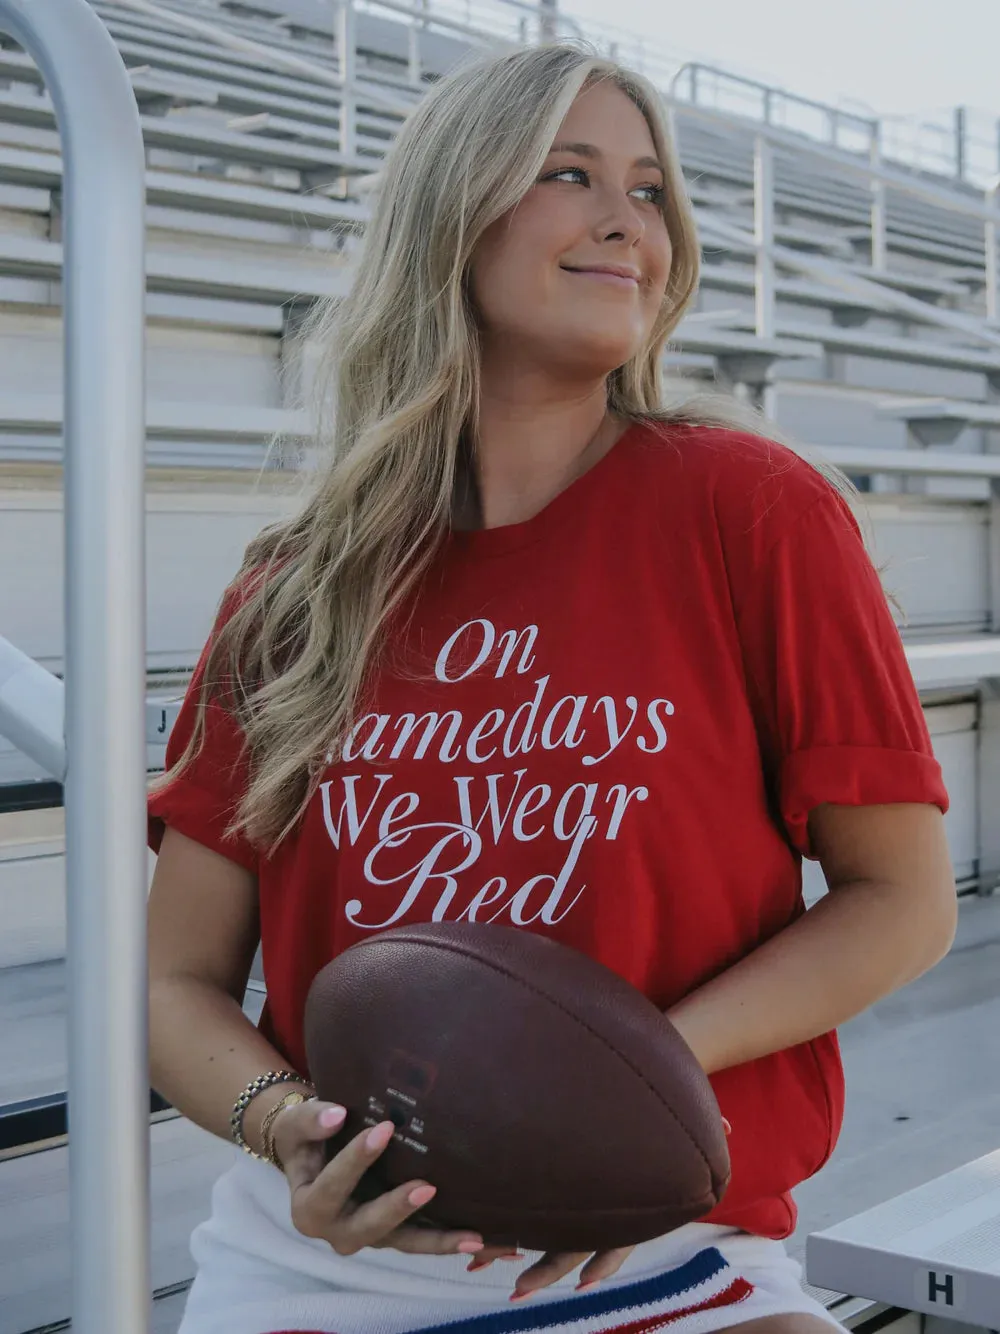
(424,858)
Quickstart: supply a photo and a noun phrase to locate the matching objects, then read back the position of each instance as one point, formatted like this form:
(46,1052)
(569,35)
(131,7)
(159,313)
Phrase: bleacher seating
(256,172)
(252,213)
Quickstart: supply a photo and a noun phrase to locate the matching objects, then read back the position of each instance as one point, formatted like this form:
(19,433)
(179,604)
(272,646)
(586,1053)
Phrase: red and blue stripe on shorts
(707,1282)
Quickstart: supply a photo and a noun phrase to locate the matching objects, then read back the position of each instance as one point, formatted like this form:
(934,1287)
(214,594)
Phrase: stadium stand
(852,295)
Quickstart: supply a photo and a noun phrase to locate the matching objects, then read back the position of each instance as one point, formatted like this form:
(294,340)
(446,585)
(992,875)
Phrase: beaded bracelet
(241,1104)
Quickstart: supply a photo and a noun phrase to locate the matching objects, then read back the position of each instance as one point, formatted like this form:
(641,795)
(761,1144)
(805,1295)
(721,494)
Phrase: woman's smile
(612,275)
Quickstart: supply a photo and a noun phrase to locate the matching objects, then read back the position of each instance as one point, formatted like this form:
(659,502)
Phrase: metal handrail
(878,177)
(103,286)
(769,94)
(956,145)
(430,18)
(850,163)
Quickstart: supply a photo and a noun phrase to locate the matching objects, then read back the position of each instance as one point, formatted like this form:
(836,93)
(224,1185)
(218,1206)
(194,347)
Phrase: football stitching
(457,948)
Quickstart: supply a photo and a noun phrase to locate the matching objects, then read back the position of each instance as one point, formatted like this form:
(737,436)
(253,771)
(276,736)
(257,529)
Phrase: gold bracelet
(266,1135)
(256,1086)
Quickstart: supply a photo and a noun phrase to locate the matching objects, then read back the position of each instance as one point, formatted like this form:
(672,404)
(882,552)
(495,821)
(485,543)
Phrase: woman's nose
(620,221)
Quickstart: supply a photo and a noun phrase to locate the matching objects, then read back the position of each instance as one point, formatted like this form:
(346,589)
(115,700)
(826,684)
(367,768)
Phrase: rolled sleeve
(837,713)
(853,776)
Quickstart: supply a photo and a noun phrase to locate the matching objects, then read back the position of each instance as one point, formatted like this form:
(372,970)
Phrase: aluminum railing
(105,757)
(961,142)
(768,140)
(722,90)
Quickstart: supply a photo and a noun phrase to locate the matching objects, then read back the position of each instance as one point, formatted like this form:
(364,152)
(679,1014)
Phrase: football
(552,1105)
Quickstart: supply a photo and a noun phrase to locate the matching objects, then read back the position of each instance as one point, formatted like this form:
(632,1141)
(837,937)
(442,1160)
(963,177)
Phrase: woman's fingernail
(332,1116)
(585,1287)
(421,1196)
(521,1296)
(726,1126)
(470,1247)
(473,1265)
(380,1136)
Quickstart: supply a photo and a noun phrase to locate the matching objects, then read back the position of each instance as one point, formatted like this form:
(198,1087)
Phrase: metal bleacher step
(44,170)
(286,279)
(34,1178)
(935,1249)
(34,1222)
(33,1029)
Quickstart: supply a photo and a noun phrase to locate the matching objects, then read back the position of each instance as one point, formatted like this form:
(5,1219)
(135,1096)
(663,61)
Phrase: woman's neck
(521,461)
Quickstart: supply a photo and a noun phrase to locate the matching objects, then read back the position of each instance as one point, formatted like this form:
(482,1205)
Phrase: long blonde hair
(396,392)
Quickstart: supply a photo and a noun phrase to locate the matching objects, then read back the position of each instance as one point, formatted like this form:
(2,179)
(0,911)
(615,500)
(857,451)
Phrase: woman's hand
(321,1191)
(555,1265)
(322,1206)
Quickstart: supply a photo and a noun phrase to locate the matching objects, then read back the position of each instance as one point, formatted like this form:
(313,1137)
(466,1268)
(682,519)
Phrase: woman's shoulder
(740,481)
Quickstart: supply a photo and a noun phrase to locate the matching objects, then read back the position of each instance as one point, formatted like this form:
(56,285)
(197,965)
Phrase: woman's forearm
(204,1051)
(858,944)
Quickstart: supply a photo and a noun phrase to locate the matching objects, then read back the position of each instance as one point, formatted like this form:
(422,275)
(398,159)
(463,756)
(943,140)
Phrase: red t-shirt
(614,722)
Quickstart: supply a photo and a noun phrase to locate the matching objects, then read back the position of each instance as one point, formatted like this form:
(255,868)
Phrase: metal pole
(413,55)
(960,143)
(346,49)
(880,249)
(548,20)
(103,287)
(992,262)
(417,28)
(763,212)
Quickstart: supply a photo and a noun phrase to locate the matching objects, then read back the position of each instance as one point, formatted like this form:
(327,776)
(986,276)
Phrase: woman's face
(543,277)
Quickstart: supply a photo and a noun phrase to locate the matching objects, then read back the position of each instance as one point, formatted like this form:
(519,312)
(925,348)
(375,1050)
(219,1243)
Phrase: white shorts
(257,1275)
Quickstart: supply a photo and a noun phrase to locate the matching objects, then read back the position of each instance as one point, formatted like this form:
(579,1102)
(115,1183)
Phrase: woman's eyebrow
(589,150)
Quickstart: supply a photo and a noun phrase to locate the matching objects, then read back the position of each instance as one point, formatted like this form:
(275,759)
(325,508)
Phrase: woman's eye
(654,193)
(578,172)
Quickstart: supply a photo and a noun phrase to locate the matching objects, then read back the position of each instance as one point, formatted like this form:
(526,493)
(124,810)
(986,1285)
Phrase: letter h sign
(940,1288)
(937,1290)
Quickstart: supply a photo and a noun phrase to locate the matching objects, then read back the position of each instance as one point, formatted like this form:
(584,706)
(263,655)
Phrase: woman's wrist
(684,1017)
(253,1117)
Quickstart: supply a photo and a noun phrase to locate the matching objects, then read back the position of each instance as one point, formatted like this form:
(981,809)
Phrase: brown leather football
(551,1104)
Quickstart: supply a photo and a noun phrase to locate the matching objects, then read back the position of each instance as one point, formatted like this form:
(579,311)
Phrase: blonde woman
(541,652)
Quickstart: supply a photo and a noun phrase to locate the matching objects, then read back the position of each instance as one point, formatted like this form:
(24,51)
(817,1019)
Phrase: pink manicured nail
(585,1287)
(470,1247)
(421,1196)
(332,1116)
(380,1136)
(521,1296)
(473,1265)
(726,1126)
